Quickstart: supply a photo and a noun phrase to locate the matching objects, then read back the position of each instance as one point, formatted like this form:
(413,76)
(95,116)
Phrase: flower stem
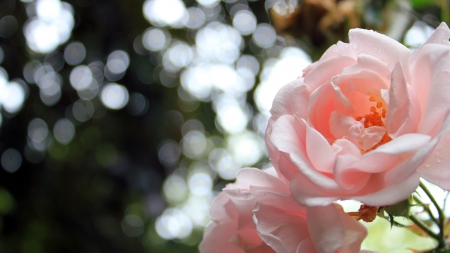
(438,208)
(427,209)
(427,230)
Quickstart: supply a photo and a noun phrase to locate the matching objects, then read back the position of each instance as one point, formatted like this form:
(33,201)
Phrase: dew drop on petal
(355,46)
(439,160)
(428,165)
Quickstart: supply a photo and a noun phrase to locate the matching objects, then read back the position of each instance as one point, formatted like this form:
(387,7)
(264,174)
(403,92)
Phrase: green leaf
(399,209)
(421,3)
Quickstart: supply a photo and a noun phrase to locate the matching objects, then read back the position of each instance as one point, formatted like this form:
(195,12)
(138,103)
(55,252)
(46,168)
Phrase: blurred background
(122,119)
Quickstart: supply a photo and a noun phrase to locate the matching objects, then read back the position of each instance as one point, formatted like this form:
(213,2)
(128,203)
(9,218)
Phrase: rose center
(375,118)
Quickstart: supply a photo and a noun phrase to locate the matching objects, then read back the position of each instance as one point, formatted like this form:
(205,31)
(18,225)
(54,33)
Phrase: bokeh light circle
(114,96)
(11,160)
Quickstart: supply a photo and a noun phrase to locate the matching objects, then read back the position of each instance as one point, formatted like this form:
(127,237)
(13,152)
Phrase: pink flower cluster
(365,122)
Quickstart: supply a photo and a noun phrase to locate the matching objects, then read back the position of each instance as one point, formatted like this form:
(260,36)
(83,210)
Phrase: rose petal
(436,168)
(249,240)
(252,177)
(371,136)
(289,137)
(306,246)
(318,149)
(213,239)
(244,202)
(348,177)
(404,109)
(347,147)
(355,232)
(291,99)
(326,69)
(281,229)
(332,229)
(429,74)
(278,199)
(371,64)
(273,151)
(308,194)
(440,36)
(321,105)
(339,49)
(392,194)
(377,45)
(339,124)
(222,208)
(404,144)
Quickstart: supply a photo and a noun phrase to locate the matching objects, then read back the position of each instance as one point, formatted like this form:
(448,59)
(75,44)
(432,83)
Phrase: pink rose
(257,214)
(365,121)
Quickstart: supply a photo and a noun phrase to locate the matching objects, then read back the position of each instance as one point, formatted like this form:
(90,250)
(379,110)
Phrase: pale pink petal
(289,137)
(429,74)
(213,239)
(404,144)
(410,165)
(363,80)
(244,203)
(371,64)
(308,194)
(372,162)
(404,109)
(326,69)
(306,246)
(347,147)
(223,225)
(285,165)
(321,105)
(348,177)
(252,177)
(242,195)
(436,168)
(352,173)
(378,45)
(281,229)
(355,232)
(279,199)
(342,104)
(339,124)
(249,240)
(318,149)
(222,209)
(339,49)
(440,36)
(326,228)
(392,194)
(354,134)
(291,99)
(438,101)
(273,151)
(262,248)
(371,136)
(271,171)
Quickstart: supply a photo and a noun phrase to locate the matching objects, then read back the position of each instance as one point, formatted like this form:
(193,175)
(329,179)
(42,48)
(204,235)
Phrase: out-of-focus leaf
(447,228)
(421,3)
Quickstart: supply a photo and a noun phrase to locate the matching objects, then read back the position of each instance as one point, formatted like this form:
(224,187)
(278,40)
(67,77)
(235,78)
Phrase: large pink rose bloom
(365,121)
(257,214)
